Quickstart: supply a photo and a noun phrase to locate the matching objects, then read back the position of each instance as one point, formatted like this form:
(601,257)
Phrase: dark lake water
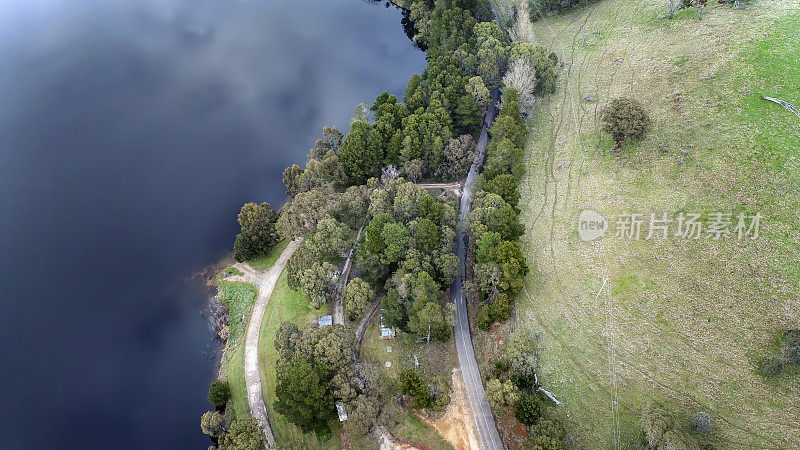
(130,134)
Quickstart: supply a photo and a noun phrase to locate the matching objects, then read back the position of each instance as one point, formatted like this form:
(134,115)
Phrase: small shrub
(792,338)
(625,120)
(502,365)
(323,432)
(213,424)
(701,422)
(413,385)
(502,394)
(547,435)
(794,355)
(482,319)
(771,367)
(499,309)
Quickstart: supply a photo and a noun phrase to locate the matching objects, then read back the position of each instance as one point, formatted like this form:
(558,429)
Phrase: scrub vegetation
(238,298)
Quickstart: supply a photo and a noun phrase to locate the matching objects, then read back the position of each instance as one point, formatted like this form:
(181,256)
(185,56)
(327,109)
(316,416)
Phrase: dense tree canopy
(219,392)
(529,409)
(360,153)
(413,385)
(258,233)
(358,297)
(213,424)
(243,434)
(406,248)
(502,394)
(302,395)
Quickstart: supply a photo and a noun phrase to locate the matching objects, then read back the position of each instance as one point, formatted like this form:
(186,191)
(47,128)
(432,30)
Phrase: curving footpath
(265,282)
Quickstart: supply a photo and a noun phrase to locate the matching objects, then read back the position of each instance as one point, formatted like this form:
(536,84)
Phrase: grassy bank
(680,323)
(267,260)
(239,298)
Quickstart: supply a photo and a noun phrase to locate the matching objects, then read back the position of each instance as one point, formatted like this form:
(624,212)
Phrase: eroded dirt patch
(457,425)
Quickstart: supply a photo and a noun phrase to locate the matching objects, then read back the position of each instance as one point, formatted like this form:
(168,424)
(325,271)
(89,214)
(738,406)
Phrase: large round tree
(303,396)
(625,119)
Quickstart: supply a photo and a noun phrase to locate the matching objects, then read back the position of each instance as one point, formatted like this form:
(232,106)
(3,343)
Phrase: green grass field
(238,297)
(267,260)
(286,305)
(680,323)
(234,371)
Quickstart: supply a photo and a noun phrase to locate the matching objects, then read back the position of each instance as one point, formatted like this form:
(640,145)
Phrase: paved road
(487,430)
(265,282)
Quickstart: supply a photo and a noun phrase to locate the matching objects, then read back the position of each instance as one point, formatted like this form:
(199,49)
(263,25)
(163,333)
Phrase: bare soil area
(457,425)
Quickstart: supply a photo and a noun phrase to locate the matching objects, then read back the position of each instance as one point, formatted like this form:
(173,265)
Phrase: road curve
(265,282)
(484,420)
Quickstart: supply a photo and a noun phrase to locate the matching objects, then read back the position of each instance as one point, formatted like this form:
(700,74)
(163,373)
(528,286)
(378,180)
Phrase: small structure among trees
(340,411)
(387,332)
(326,320)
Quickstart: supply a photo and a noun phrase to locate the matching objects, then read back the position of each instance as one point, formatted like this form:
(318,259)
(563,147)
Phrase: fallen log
(545,391)
(788,106)
(550,396)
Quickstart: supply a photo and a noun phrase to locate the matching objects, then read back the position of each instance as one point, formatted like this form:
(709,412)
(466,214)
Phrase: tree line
(500,266)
